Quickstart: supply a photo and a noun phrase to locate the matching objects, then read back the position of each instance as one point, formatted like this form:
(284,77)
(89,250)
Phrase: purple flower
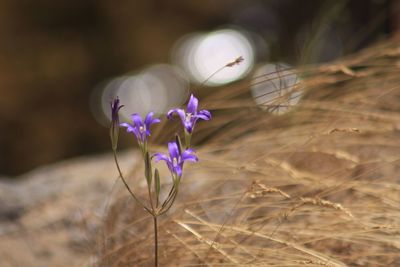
(115,107)
(190,116)
(114,129)
(176,158)
(139,128)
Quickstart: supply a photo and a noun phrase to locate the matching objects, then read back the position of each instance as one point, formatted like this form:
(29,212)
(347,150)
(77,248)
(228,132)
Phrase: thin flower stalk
(174,160)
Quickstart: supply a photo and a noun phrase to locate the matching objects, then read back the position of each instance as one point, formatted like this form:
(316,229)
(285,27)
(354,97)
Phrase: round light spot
(202,55)
(276,87)
(157,88)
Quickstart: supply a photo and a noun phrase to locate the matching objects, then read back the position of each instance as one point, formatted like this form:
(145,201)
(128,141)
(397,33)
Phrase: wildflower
(190,116)
(114,128)
(139,128)
(176,158)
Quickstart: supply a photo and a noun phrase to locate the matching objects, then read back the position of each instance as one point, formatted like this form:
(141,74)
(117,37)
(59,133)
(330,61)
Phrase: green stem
(155,241)
(126,184)
(171,192)
(168,197)
(151,199)
(188,138)
(171,202)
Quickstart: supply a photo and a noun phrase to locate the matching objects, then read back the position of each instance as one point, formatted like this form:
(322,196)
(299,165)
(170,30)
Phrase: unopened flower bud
(114,128)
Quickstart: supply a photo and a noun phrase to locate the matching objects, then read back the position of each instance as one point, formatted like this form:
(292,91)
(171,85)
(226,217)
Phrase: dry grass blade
(316,186)
(259,189)
(325,203)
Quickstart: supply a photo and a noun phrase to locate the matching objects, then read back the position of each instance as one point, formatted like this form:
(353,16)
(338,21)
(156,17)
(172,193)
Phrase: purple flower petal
(139,135)
(147,132)
(155,120)
(192,105)
(204,115)
(176,159)
(149,118)
(178,111)
(186,155)
(139,128)
(189,126)
(178,170)
(190,150)
(170,113)
(137,120)
(161,156)
(173,151)
(128,126)
(115,107)
(190,116)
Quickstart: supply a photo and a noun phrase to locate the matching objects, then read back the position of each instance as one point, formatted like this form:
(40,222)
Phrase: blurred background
(61,62)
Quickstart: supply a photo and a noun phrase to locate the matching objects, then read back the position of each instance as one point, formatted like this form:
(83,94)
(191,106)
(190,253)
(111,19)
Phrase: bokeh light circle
(276,87)
(157,88)
(201,55)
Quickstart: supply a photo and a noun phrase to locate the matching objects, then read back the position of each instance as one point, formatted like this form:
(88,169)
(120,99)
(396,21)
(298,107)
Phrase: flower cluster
(175,159)
(177,154)
(141,130)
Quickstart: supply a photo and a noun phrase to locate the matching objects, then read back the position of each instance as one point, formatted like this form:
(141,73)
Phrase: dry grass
(318,186)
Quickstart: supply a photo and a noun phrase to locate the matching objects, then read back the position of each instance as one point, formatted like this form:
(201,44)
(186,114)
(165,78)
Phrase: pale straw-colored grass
(317,186)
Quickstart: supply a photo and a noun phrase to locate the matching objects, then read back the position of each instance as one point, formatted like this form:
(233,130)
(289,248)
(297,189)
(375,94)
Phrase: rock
(48,216)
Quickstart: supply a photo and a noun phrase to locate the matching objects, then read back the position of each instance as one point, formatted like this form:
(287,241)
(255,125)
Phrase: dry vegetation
(317,186)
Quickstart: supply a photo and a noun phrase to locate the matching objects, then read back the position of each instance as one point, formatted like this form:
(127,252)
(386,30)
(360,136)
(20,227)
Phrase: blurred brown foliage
(53,53)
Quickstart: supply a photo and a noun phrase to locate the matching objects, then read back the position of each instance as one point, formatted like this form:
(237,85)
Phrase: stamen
(175,161)
(188,117)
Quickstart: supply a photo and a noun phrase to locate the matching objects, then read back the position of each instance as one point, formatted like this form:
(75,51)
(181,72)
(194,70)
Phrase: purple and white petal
(186,155)
(129,127)
(173,150)
(176,158)
(137,120)
(191,150)
(124,124)
(155,120)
